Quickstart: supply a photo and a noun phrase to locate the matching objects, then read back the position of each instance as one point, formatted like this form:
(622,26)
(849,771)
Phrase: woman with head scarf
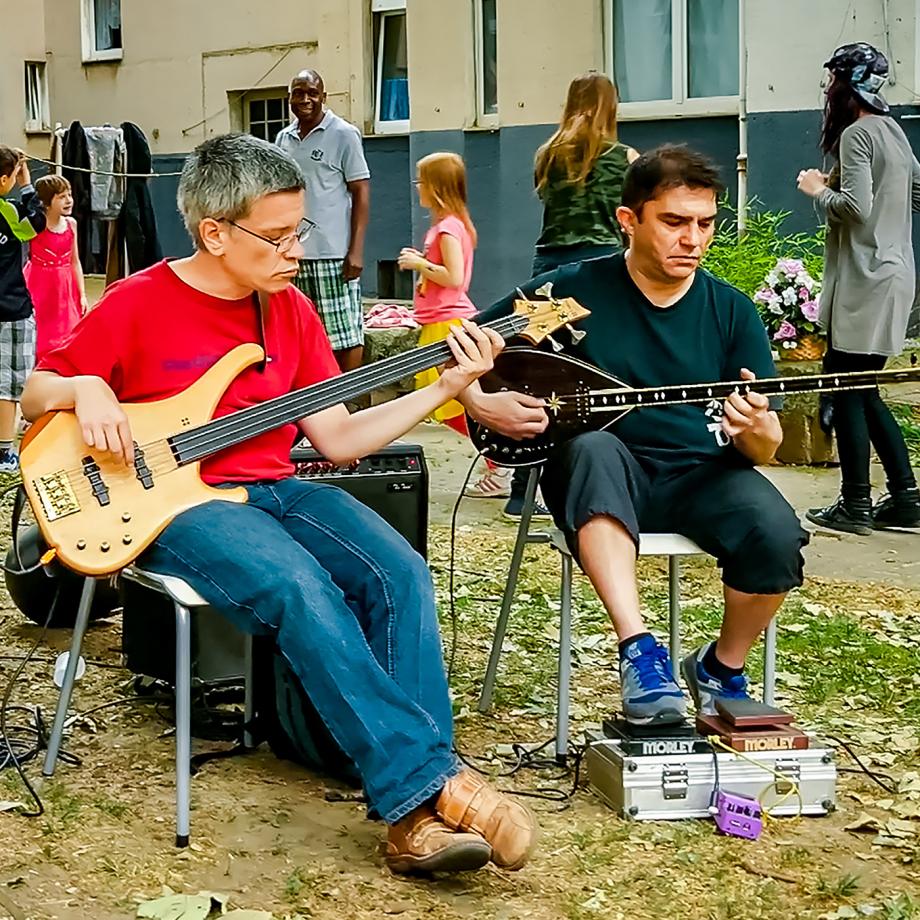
(869,281)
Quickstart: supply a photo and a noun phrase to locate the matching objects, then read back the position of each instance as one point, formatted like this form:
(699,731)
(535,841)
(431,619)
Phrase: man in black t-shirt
(656,320)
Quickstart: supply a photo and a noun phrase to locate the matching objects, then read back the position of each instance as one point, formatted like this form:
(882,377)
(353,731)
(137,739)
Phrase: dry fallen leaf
(864,823)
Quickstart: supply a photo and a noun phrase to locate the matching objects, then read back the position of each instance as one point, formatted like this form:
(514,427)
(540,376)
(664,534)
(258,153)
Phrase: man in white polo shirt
(331,156)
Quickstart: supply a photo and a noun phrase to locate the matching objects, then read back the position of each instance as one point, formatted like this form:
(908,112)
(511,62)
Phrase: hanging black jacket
(75,152)
(137,223)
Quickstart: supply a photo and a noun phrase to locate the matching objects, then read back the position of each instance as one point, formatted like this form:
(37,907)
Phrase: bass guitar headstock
(544,317)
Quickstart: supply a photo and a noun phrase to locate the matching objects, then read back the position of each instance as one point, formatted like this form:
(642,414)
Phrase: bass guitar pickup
(141,470)
(94,475)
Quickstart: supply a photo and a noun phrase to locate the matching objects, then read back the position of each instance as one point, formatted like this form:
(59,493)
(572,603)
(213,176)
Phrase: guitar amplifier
(393,482)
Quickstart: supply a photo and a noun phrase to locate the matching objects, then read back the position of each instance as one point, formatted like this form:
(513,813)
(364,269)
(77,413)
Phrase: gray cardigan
(869,274)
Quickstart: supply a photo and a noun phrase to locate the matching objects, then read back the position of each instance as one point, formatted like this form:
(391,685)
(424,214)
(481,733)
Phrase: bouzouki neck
(627,398)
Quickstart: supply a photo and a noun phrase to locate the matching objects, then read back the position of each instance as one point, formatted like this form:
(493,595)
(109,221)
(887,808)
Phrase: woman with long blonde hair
(578,174)
(445,265)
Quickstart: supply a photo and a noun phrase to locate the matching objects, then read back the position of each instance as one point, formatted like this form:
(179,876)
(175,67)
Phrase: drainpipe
(742,159)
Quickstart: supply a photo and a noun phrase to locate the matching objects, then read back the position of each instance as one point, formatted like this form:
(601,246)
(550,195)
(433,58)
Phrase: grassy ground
(265,836)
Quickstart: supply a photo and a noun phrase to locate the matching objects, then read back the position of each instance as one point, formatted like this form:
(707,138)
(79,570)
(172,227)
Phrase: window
(265,112)
(391,67)
(672,57)
(101,30)
(486,61)
(37,116)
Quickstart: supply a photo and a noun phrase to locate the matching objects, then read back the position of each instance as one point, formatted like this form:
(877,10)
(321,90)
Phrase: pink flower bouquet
(788,304)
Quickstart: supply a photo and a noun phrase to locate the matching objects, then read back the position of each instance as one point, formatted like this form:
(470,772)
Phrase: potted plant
(788,305)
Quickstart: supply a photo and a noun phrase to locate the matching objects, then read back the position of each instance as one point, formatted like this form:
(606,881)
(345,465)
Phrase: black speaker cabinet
(393,482)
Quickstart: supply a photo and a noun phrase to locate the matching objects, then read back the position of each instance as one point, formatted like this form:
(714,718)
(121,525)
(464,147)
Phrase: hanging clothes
(75,152)
(137,222)
(107,154)
(135,233)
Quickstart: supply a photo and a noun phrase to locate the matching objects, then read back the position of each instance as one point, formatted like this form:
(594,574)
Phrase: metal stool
(185,600)
(651,544)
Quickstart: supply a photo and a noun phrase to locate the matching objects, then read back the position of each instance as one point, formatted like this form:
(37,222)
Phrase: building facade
(485,78)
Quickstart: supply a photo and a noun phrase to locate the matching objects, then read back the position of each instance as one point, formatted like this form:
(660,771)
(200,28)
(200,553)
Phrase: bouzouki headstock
(546,316)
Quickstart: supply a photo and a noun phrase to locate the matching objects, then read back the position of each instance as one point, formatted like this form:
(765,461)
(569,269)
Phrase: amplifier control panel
(393,460)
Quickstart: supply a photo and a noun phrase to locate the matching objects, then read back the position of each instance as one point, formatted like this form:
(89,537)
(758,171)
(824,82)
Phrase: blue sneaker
(650,693)
(9,461)
(706,689)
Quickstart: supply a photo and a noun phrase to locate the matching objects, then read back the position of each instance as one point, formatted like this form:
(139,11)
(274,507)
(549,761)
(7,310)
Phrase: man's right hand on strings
(514,415)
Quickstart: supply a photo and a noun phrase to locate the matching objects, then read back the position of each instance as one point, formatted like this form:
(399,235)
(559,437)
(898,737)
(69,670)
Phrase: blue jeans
(351,606)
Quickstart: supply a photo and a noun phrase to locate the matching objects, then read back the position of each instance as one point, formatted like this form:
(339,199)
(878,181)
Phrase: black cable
(877,778)
(454,628)
(23,756)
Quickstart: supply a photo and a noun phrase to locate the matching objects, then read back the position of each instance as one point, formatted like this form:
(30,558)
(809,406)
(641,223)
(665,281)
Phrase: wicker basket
(810,348)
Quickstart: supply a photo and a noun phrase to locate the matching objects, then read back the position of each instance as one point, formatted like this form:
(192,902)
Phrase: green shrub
(746,262)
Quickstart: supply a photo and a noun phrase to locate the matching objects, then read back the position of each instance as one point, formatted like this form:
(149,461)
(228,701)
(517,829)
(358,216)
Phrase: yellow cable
(717,742)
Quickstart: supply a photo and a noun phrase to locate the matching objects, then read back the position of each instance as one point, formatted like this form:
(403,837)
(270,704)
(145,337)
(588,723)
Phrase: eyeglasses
(286,243)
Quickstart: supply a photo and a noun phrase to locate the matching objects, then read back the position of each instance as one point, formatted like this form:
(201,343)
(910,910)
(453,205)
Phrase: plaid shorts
(337,301)
(17,356)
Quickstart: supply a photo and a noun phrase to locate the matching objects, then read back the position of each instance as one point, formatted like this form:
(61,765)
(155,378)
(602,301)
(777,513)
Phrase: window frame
(92,54)
(41,125)
(681,104)
(484,119)
(385,9)
(262,94)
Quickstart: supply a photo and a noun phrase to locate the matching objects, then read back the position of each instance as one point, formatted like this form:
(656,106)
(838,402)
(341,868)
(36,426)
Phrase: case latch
(789,772)
(674,781)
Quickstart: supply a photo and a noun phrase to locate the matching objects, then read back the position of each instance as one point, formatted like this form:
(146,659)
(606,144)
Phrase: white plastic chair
(671,545)
(185,601)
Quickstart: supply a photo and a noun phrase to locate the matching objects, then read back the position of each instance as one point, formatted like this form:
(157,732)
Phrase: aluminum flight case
(669,786)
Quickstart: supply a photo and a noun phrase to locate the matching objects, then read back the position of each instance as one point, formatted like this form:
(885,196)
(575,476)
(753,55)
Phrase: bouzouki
(580,397)
(99,515)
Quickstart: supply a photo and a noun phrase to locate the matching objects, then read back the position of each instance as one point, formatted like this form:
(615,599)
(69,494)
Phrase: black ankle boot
(851,515)
(899,509)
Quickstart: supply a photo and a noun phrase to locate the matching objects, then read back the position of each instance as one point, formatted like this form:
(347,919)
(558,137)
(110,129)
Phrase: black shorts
(731,512)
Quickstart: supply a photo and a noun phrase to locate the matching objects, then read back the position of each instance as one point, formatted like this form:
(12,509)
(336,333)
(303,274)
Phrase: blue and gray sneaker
(650,693)
(706,689)
(9,461)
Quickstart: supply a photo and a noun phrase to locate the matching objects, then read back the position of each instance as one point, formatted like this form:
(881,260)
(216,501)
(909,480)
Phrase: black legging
(861,418)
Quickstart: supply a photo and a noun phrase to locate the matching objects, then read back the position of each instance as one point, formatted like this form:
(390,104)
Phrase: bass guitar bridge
(56,495)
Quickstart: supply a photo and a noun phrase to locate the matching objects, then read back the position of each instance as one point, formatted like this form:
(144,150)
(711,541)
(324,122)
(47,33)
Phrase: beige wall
(441,52)
(543,44)
(181,59)
(22,38)
(789,40)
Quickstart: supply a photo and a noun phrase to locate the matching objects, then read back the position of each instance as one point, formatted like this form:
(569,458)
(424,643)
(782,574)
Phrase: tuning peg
(556,346)
(545,290)
(577,334)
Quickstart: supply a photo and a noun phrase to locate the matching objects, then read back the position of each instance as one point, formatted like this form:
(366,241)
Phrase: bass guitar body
(99,515)
(568,388)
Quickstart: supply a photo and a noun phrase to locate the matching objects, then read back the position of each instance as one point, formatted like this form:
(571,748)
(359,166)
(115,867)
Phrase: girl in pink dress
(53,273)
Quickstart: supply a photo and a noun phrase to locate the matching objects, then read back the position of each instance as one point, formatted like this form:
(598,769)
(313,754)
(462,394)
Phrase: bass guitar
(99,515)
(580,397)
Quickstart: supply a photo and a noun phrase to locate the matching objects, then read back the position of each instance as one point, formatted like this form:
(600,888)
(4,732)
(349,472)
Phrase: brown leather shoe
(422,843)
(468,803)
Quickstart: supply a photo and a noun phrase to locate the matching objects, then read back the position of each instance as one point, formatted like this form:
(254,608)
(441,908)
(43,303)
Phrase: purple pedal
(737,815)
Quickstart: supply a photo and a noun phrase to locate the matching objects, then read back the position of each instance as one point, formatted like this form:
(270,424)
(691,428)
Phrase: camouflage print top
(577,214)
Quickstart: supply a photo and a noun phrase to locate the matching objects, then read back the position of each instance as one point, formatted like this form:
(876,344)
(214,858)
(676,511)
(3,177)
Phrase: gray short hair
(226,175)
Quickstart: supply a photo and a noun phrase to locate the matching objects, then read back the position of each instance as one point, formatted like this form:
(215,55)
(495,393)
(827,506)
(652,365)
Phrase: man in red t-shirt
(349,603)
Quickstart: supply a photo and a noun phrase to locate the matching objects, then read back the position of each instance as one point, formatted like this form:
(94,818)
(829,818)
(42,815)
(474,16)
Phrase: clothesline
(102,172)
